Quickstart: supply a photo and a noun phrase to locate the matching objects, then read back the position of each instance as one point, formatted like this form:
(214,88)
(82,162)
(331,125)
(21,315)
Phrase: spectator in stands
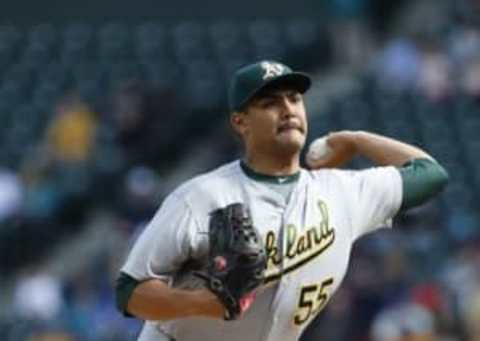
(71,133)
(461,277)
(464,44)
(138,199)
(352,40)
(472,317)
(404,322)
(143,120)
(417,317)
(398,65)
(470,82)
(37,295)
(42,197)
(71,144)
(435,79)
(11,194)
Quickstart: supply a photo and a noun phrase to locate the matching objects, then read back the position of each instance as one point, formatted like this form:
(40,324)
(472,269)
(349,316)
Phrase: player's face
(275,121)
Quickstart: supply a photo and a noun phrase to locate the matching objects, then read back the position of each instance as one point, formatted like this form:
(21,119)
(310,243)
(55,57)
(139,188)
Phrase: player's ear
(237,120)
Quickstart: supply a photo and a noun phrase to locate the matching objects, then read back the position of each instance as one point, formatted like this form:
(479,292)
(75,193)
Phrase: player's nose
(288,108)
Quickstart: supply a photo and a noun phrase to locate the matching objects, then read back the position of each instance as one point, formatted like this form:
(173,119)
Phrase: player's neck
(272,165)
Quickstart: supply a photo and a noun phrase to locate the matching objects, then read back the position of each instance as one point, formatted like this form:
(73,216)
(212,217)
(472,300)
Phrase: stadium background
(106,106)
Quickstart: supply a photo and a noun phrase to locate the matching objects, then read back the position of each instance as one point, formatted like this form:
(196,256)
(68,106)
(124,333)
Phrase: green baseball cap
(249,80)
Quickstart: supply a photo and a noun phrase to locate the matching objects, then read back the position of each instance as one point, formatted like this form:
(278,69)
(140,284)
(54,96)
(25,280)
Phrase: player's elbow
(440,178)
(422,180)
(432,179)
(124,287)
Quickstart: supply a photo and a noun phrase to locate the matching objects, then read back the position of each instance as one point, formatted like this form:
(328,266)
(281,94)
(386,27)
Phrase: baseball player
(308,219)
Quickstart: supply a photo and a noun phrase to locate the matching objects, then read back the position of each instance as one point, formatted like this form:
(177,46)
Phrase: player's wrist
(360,141)
(346,141)
(205,303)
(355,139)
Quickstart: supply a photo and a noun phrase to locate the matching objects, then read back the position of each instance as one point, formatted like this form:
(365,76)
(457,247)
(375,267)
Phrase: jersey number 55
(312,300)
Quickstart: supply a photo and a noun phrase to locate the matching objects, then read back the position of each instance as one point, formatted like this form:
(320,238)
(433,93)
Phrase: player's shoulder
(209,183)
(330,174)
(346,176)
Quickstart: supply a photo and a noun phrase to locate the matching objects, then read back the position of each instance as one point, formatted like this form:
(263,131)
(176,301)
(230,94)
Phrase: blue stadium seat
(10,38)
(304,34)
(229,41)
(10,92)
(114,42)
(320,125)
(301,33)
(152,42)
(41,46)
(119,72)
(56,73)
(231,65)
(10,34)
(44,34)
(204,94)
(205,85)
(163,74)
(355,114)
(77,43)
(468,127)
(88,70)
(458,197)
(45,95)
(472,151)
(190,42)
(267,39)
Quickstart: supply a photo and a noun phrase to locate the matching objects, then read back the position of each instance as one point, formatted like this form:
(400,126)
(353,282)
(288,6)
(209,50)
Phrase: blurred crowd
(83,164)
(440,62)
(108,159)
(422,280)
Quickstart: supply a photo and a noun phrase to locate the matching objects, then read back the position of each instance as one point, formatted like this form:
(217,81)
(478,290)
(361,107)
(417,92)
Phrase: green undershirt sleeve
(124,287)
(422,179)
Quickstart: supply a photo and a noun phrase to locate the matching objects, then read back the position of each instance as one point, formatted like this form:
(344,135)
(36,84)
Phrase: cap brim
(296,80)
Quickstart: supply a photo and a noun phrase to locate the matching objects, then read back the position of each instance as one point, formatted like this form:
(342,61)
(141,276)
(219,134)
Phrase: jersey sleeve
(375,196)
(169,240)
(422,179)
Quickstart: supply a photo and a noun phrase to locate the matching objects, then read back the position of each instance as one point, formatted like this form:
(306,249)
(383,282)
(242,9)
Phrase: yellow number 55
(312,300)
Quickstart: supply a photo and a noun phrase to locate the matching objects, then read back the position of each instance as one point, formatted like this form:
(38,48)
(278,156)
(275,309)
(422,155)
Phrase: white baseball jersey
(308,240)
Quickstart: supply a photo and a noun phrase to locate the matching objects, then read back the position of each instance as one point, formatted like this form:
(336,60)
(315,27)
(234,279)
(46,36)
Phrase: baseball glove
(237,260)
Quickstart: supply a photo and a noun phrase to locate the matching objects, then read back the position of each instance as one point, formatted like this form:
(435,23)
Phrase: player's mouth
(290,126)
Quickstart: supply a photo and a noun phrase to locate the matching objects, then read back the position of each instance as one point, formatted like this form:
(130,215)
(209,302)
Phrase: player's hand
(341,149)
(211,306)
(237,259)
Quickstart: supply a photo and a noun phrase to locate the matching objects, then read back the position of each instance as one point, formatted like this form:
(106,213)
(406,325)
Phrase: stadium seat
(77,43)
(41,45)
(114,42)
(163,74)
(44,34)
(267,39)
(190,42)
(151,42)
(229,41)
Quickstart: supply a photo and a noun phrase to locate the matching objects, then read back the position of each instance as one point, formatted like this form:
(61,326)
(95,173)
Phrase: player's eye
(267,103)
(294,97)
